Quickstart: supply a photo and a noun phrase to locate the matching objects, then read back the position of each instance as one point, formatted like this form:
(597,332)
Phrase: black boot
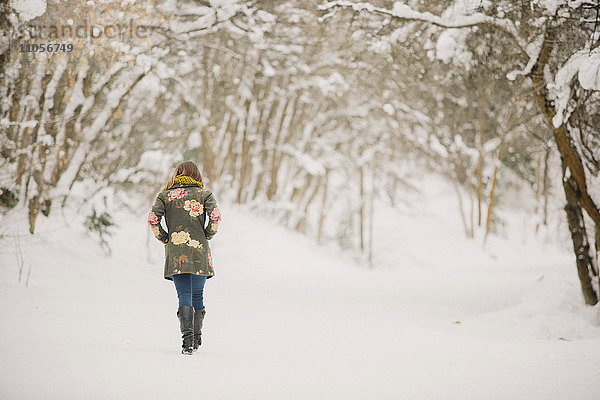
(186,323)
(198,320)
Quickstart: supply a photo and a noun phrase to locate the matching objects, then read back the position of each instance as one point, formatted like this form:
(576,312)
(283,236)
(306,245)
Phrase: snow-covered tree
(554,51)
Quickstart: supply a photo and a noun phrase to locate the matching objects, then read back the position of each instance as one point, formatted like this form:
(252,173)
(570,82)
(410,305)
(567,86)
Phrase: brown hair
(185,168)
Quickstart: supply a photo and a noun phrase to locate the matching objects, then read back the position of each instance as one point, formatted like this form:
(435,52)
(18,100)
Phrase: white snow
(311,165)
(446,46)
(388,109)
(29,9)
(549,5)
(268,69)
(491,145)
(589,72)
(194,140)
(586,67)
(332,83)
(451,46)
(381,46)
(533,51)
(5,122)
(155,161)
(223,3)
(460,15)
(437,318)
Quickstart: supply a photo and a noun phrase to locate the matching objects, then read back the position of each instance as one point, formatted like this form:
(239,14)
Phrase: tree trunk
(323,207)
(580,241)
(461,207)
(576,191)
(488,220)
(546,186)
(372,210)
(5,27)
(537,186)
(361,211)
(480,163)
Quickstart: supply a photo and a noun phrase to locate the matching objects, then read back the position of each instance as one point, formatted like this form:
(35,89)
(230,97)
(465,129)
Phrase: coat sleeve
(158,211)
(213,215)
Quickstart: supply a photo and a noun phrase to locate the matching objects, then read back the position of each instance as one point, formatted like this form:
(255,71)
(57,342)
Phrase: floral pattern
(152,219)
(155,230)
(155,227)
(215,215)
(178,261)
(195,244)
(180,237)
(195,208)
(215,218)
(186,207)
(178,193)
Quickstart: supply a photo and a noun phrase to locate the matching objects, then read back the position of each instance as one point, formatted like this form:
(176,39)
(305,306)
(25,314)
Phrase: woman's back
(186,207)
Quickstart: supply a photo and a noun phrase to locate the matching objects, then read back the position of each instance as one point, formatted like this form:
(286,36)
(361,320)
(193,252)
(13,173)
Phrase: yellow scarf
(186,180)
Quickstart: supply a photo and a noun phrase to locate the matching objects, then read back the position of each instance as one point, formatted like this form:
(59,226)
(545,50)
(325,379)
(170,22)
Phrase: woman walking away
(187,206)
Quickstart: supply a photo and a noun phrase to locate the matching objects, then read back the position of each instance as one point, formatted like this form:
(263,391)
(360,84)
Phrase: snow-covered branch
(405,12)
(584,66)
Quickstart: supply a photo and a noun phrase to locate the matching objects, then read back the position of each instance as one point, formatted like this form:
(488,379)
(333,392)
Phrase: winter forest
(410,194)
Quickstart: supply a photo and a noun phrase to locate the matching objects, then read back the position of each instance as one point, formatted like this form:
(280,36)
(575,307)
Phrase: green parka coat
(186,207)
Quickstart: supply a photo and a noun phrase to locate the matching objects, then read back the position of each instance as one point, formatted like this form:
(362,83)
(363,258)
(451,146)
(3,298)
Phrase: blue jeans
(190,289)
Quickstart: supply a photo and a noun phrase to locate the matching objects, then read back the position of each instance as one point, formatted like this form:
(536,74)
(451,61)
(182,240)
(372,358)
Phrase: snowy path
(282,323)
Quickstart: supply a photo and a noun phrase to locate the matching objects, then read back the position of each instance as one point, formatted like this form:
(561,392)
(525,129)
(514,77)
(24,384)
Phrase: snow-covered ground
(436,318)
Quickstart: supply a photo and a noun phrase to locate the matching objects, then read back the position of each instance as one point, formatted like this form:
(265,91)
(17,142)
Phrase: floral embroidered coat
(186,207)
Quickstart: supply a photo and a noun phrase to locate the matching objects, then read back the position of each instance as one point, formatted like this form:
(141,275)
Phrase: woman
(186,206)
